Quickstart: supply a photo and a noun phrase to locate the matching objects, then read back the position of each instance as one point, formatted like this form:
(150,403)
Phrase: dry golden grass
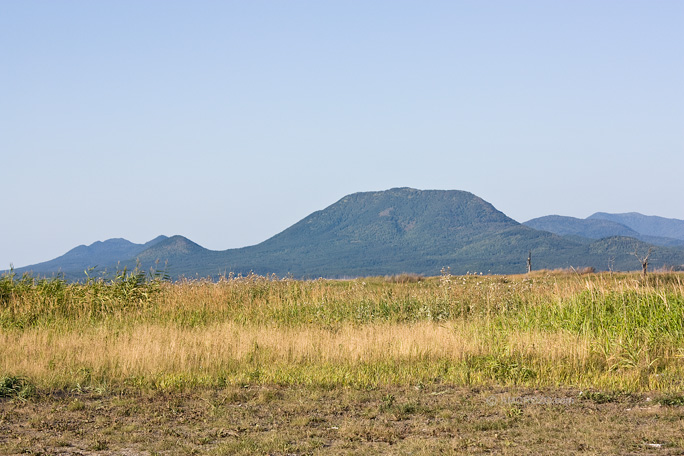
(146,349)
(548,328)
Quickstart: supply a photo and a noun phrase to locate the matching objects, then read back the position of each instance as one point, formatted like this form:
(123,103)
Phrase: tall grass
(615,331)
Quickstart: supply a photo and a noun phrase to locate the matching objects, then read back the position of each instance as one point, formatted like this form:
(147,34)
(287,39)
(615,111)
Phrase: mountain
(179,256)
(390,232)
(175,246)
(409,230)
(589,228)
(602,225)
(387,232)
(99,254)
(648,225)
(371,233)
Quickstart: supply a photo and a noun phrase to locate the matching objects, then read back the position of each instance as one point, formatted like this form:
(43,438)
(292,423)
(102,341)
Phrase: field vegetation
(408,355)
(619,332)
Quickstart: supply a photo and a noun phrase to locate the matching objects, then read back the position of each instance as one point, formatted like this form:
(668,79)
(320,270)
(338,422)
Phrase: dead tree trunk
(643,260)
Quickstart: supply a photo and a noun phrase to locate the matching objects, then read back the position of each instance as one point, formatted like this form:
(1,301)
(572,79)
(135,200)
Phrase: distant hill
(589,228)
(390,232)
(100,254)
(179,256)
(648,225)
(175,246)
(602,225)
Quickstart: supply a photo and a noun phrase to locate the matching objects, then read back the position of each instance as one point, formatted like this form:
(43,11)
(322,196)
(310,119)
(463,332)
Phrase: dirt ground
(273,420)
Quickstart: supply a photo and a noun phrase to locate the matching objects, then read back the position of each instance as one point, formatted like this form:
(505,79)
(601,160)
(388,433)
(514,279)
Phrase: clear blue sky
(228,121)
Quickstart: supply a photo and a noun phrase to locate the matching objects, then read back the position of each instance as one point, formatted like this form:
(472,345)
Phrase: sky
(228,121)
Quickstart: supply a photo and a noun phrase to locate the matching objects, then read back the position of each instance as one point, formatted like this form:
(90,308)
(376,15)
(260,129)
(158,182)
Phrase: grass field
(419,360)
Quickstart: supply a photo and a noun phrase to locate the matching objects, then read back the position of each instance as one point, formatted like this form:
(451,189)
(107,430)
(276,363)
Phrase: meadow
(601,338)
(608,331)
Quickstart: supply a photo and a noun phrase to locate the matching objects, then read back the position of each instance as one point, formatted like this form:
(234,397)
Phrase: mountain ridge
(602,225)
(395,231)
(651,225)
(98,254)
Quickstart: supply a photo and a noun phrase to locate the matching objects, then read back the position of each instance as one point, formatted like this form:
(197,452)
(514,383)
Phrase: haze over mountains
(401,230)
(99,254)
(646,225)
(652,229)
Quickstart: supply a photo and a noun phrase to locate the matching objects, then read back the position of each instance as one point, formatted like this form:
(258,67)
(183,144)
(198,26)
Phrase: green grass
(16,387)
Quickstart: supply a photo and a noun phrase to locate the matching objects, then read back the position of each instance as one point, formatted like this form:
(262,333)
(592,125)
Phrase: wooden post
(529,262)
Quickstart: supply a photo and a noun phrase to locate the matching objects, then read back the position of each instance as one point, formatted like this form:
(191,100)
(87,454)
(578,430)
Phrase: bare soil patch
(273,420)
